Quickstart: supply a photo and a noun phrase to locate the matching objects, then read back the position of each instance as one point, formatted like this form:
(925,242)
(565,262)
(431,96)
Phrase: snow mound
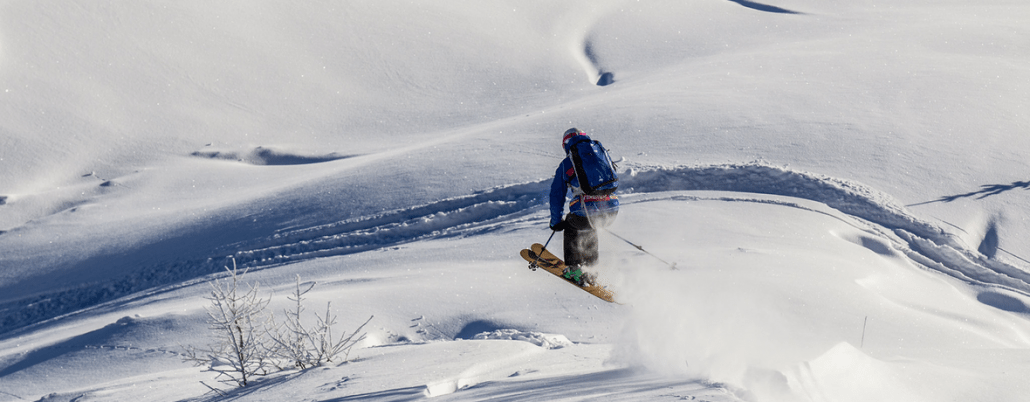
(845,373)
(549,341)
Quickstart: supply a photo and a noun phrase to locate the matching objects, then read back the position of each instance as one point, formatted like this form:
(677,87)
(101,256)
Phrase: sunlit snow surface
(841,187)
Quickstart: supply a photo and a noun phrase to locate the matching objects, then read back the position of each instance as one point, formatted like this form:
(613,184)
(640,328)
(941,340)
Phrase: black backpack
(594,168)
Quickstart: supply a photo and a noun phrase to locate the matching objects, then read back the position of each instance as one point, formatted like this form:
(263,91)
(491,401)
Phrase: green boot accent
(575,274)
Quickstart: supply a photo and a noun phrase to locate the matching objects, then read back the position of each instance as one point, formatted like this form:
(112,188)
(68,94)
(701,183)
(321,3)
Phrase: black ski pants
(580,243)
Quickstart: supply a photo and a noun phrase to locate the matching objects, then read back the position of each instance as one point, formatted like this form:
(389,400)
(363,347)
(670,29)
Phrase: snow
(840,186)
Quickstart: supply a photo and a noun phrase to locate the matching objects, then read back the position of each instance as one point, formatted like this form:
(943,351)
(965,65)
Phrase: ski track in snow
(497,209)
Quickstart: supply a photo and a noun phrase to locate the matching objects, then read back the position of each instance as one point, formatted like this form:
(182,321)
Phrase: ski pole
(672,265)
(533,264)
(549,239)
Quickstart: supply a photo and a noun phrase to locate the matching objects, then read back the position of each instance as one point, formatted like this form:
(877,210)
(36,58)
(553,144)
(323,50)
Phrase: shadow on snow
(985,191)
(764,7)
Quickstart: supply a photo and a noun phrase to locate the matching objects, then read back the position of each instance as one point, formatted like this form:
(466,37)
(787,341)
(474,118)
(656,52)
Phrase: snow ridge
(923,242)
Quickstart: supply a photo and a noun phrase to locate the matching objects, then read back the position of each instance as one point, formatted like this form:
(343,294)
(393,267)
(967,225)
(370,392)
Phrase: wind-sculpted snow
(495,209)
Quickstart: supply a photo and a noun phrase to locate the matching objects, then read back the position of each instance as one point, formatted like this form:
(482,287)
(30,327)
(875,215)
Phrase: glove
(560,226)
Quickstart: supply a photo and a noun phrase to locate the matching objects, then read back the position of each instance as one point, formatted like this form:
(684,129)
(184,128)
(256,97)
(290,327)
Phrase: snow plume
(680,325)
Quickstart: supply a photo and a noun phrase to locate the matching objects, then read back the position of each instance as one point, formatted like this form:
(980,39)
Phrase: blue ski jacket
(581,204)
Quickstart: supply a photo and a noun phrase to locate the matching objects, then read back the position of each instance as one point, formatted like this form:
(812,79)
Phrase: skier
(586,212)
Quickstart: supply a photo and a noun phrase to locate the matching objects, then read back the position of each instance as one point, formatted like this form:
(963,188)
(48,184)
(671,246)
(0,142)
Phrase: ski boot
(576,275)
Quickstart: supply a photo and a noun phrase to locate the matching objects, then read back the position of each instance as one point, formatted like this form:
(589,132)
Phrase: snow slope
(839,184)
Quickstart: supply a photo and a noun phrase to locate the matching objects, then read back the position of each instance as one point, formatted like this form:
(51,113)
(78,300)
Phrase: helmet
(572,132)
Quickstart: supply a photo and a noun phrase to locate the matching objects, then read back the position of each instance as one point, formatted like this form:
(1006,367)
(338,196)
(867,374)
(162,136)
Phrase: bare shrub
(236,319)
(249,342)
(302,347)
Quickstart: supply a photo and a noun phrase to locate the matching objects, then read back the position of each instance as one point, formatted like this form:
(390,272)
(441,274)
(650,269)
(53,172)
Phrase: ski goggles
(565,140)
